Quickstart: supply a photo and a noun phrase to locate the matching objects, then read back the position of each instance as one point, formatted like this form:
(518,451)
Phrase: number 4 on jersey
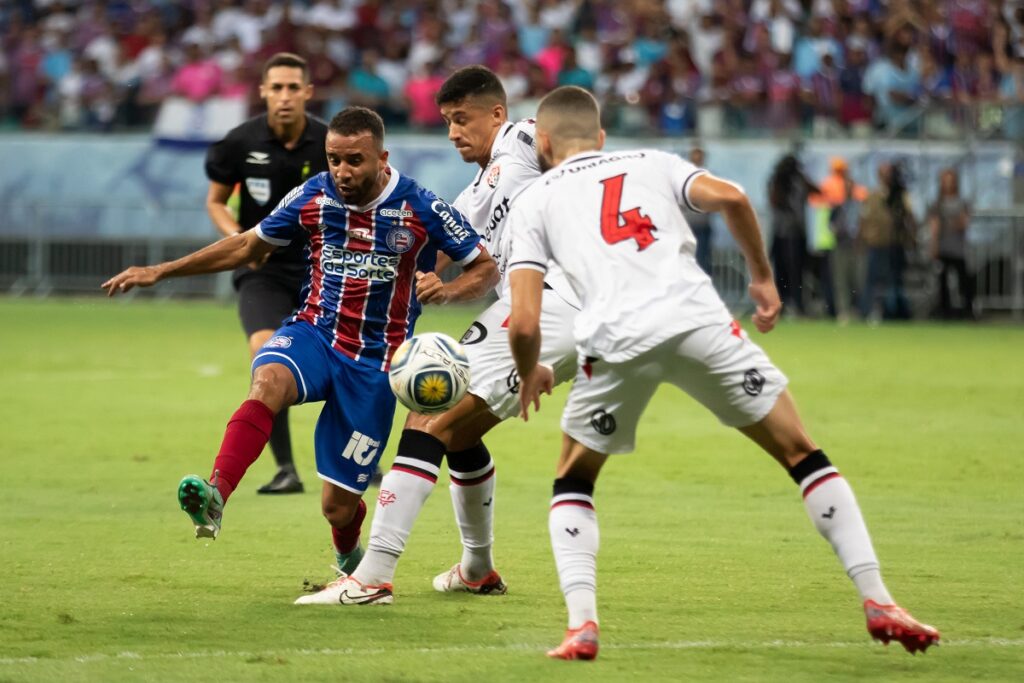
(616,225)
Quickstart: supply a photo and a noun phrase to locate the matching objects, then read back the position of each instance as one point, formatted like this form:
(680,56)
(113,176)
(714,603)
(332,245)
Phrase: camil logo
(361,449)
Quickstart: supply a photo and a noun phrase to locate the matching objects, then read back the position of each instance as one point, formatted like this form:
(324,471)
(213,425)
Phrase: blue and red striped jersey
(360,289)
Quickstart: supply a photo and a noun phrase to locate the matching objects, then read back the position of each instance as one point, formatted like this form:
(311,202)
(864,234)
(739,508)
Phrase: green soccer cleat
(203,503)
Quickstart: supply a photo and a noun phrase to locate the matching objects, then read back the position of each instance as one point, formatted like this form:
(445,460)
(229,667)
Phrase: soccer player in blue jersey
(371,237)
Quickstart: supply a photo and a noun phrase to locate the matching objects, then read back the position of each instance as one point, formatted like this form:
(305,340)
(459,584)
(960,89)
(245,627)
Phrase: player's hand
(136,276)
(540,380)
(430,289)
(766,299)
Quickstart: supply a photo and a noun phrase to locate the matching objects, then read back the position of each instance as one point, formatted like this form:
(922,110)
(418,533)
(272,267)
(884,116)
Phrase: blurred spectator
(948,219)
(572,73)
(842,199)
(788,191)
(826,96)
(366,87)
(855,105)
(419,92)
(893,84)
(199,77)
(533,36)
(887,228)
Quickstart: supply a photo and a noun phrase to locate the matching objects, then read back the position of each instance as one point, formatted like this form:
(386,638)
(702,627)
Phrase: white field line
(508,647)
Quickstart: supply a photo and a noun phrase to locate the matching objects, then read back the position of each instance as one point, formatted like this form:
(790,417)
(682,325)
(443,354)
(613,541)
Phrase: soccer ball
(429,373)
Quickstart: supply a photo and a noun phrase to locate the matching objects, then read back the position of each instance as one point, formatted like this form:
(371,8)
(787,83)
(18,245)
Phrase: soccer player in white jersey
(651,315)
(472,102)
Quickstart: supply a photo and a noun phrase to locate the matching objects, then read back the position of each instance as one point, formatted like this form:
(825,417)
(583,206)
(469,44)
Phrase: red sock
(346,539)
(247,433)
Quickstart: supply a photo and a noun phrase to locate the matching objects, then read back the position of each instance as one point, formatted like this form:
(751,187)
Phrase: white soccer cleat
(345,590)
(452,581)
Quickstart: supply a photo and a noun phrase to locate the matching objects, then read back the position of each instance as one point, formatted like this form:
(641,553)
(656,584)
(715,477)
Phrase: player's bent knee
(274,385)
(458,428)
(339,514)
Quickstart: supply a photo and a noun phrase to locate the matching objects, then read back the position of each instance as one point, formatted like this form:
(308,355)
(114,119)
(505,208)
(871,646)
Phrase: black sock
(281,441)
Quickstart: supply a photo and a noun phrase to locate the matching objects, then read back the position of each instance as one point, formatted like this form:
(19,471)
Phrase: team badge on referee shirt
(259,189)
(492,177)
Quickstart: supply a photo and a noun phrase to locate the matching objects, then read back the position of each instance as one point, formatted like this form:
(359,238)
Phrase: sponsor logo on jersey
(474,335)
(497,216)
(361,265)
(396,213)
(451,226)
(259,189)
(603,422)
(361,233)
(361,449)
(492,177)
(278,342)
(400,240)
(260,158)
(753,382)
(323,200)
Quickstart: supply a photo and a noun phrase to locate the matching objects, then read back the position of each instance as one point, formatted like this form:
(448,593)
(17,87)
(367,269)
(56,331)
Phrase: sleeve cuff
(471,256)
(277,242)
(686,190)
(528,265)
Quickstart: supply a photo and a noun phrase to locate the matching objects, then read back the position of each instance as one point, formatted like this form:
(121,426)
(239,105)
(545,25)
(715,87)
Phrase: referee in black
(266,157)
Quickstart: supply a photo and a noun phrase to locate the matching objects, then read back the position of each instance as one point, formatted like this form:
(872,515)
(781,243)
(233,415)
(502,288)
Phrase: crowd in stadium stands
(828,67)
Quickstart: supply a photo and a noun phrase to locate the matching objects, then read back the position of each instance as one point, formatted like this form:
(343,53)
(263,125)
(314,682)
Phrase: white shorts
(493,375)
(718,365)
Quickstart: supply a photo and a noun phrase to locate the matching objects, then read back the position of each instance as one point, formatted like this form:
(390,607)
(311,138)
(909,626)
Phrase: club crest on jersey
(259,189)
(278,342)
(492,177)
(400,240)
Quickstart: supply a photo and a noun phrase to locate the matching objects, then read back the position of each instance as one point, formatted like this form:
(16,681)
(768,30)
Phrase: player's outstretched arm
(527,287)
(709,193)
(217,197)
(478,277)
(224,254)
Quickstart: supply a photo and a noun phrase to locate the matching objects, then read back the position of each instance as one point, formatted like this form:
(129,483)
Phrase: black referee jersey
(251,156)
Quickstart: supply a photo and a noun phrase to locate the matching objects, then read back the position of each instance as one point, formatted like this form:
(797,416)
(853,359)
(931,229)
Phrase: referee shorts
(265,300)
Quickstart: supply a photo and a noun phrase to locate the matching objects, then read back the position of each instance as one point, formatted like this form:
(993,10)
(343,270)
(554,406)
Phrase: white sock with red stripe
(575,539)
(472,490)
(833,509)
(403,491)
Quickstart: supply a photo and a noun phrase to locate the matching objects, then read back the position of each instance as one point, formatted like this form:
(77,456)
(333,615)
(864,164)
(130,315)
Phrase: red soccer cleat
(579,643)
(892,622)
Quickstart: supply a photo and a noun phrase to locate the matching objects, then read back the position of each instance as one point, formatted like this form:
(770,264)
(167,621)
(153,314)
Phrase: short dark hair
(353,120)
(570,112)
(471,81)
(287,59)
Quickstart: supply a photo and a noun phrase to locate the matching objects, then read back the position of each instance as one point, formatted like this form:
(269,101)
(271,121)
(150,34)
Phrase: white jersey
(612,221)
(487,201)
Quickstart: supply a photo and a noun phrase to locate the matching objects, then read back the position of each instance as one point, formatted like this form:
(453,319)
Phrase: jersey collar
(382,197)
(581,156)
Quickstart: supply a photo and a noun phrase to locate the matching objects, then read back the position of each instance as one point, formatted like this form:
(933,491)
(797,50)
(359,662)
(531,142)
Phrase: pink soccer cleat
(892,622)
(579,643)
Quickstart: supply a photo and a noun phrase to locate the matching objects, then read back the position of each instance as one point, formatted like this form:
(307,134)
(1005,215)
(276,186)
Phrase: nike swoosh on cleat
(361,600)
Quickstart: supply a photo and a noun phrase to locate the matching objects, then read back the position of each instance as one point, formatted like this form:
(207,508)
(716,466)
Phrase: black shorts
(265,300)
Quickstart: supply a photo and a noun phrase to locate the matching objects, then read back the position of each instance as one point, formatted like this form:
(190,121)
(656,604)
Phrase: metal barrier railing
(42,264)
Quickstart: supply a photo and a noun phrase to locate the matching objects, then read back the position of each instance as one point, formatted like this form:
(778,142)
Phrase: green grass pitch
(709,568)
